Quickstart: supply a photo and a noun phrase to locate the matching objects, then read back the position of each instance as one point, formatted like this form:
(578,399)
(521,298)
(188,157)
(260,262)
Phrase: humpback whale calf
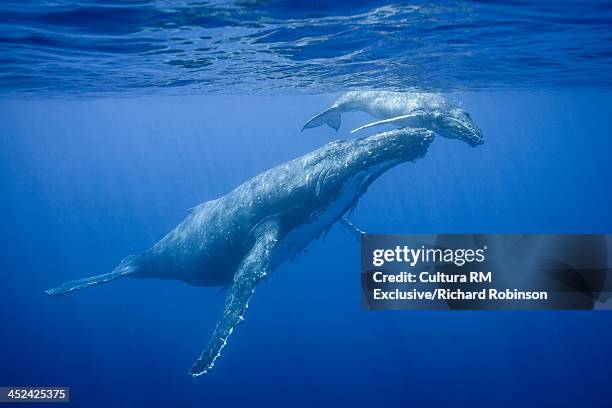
(403,109)
(237,240)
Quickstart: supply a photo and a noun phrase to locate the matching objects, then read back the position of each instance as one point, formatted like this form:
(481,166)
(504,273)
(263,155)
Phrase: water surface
(135,47)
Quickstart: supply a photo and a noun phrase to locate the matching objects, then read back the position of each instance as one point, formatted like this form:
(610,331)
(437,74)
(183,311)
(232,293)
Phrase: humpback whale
(403,109)
(238,239)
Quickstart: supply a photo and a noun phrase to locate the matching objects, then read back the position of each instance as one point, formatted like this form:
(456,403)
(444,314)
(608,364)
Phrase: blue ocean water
(139,47)
(115,118)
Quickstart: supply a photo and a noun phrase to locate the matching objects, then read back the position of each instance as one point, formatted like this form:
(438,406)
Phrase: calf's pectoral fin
(397,121)
(252,270)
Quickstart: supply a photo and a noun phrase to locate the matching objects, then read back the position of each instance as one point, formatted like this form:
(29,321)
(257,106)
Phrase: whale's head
(457,124)
(394,146)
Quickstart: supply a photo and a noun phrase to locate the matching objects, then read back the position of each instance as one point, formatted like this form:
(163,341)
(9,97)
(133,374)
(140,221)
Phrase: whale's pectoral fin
(352,228)
(400,121)
(332,116)
(252,270)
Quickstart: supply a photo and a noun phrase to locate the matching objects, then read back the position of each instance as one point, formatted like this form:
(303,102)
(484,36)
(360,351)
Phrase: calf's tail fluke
(125,268)
(332,117)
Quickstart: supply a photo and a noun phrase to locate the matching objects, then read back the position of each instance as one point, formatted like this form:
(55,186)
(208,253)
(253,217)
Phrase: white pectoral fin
(397,121)
(252,270)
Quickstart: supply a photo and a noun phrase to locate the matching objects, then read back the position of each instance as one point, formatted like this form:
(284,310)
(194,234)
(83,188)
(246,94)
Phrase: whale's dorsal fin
(200,206)
(398,121)
(252,270)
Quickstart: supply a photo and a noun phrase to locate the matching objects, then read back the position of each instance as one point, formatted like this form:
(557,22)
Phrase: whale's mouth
(462,128)
(472,135)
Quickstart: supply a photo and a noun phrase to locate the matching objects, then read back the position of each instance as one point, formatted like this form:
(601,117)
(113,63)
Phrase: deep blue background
(84,183)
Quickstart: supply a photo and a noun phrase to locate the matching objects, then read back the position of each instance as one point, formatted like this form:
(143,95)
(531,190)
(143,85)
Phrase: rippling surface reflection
(140,47)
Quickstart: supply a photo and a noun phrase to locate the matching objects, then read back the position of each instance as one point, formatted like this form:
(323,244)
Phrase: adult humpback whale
(240,238)
(403,109)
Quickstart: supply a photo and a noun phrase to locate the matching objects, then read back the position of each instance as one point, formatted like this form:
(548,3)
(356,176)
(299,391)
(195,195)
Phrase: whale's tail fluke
(332,116)
(125,268)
